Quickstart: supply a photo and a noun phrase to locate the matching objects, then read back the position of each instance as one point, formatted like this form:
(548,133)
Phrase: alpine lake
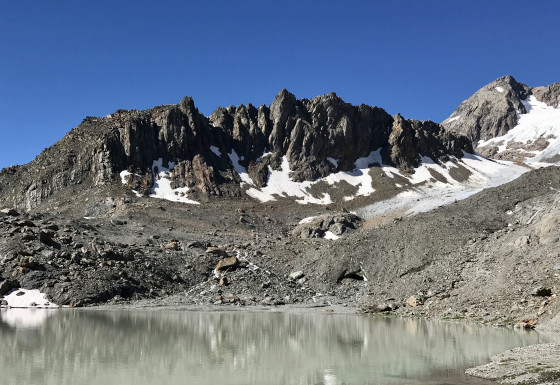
(77,346)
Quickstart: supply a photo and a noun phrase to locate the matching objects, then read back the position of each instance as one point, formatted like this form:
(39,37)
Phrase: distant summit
(511,121)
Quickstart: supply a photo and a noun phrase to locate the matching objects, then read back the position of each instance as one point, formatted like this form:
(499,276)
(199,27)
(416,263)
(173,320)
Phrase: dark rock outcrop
(309,133)
(336,223)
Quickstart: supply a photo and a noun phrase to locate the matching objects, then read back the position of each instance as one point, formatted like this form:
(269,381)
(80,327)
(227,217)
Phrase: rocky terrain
(168,207)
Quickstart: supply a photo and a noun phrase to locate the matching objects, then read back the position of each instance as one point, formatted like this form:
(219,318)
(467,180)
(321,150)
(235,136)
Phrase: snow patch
(306,220)
(453,119)
(216,150)
(162,184)
(333,161)
(281,184)
(540,122)
(242,171)
(359,176)
(23,298)
(330,235)
(432,194)
(500,89)
(123,175)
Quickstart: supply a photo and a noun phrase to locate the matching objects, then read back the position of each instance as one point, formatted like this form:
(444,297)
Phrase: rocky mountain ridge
(497,108)
(317,137)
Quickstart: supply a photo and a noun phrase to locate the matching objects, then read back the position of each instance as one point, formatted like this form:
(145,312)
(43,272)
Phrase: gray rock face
(549,94)
(306,132)
(494,109)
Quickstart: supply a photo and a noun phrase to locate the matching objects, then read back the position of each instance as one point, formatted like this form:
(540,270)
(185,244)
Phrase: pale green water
(180,347)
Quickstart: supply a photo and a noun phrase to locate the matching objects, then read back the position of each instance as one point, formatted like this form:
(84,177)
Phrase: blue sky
(64,60)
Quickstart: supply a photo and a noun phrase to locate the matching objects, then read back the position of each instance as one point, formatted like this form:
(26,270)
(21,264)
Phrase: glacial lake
(168,347)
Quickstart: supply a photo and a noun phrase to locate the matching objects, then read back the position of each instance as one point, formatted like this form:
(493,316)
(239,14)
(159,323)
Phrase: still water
(185,347)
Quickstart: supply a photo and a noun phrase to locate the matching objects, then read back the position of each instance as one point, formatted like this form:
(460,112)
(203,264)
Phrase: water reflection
(172,347)
(25,318)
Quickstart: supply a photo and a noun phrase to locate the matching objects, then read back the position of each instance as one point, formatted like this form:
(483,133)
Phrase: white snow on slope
(22,298)
(428,194)
(359,176)
(242,171)
(281,184)
(453,119)
(123,175)
(216,150)
(499,89)
(162,184)
(485,173)
(540,121)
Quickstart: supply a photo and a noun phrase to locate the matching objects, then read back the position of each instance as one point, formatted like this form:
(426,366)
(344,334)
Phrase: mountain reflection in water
(187,347)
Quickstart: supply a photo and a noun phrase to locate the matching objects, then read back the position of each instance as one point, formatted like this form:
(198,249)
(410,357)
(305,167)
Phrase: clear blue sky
(63,60)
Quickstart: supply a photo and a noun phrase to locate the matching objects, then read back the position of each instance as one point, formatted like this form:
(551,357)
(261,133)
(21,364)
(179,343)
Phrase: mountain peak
(491,111)
(510,120)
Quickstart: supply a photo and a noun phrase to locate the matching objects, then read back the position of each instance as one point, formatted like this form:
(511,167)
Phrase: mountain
(511,121)
(281,150)
(250,206)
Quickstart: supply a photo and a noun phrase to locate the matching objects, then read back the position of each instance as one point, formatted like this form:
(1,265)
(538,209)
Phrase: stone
(10,212)
(383,307)
(541,291)
(194,244)
(414,301)
(8,285)
(337,223)
(526,324)
(173,246)
(295,275)
(218,251)
(46,236)
(226,263)
(548,229)
(26,223)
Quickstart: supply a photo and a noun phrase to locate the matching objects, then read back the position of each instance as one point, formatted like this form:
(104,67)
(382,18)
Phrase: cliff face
(491,111)
(309,133)
(496,108)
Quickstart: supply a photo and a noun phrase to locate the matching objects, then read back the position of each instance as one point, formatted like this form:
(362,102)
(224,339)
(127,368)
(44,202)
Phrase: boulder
(337,223)
(8,285)
(294,276)
(10,212)
(415,300)
(541,291)
(226,263)
(218,251)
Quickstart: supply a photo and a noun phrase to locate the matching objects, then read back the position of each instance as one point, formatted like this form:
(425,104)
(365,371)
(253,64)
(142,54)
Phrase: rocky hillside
(512,121)
(235,146)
